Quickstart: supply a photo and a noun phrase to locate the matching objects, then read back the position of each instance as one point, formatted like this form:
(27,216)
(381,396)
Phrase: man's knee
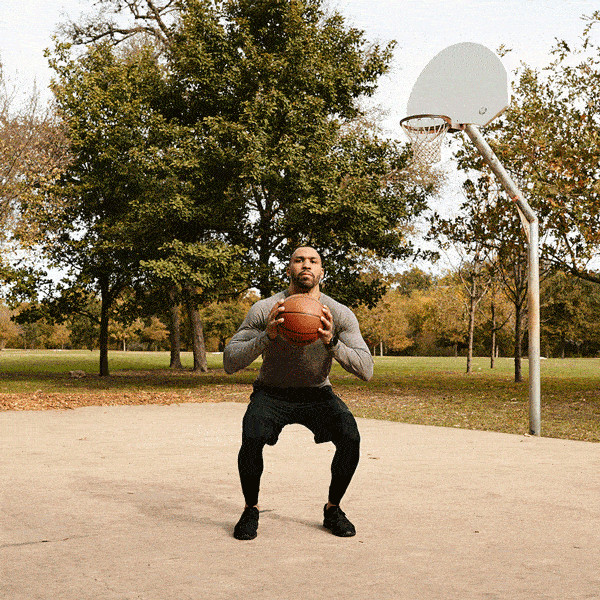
(347,434)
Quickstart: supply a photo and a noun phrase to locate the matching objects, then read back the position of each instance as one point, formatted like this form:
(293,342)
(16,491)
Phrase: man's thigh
(328,417)
(265,417)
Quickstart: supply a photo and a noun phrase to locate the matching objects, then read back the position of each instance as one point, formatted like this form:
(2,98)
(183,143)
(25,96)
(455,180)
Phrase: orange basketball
(301,319)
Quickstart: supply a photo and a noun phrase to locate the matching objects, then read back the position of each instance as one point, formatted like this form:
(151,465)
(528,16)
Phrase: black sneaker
(335,520)
(247,525)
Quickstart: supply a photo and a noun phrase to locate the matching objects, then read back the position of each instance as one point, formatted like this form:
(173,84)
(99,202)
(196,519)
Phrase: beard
(305,281)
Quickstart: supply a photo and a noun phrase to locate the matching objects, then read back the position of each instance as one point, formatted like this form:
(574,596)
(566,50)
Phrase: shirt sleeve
(249,341)
(351,351)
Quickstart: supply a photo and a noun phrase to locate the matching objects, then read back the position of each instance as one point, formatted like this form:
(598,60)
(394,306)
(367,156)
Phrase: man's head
(305,270)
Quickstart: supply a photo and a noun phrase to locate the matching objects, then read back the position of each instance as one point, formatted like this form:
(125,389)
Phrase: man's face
(305,269)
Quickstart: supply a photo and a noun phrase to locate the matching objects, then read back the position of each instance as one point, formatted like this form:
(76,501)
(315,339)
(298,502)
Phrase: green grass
(427,391)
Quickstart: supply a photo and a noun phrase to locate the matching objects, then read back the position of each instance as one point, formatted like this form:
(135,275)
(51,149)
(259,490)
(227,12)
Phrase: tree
(463,236)
(33,147)
(154,333)
(569,316)
(492,226)
(475,279)
(447,315)
(499,315)
(85,325)
(268,94)
(276,86)
(222,319)
(386,325)
(412,280)
(97,236)
(151,18)
(9,330)
(125,332)
(33,150)
(549,140)
(197,273)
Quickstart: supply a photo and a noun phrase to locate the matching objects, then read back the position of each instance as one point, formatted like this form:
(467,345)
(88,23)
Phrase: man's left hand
(326,329)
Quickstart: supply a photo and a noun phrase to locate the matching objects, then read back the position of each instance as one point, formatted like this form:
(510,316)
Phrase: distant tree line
(192,145)
(145,333)
(419,315)
(423,315)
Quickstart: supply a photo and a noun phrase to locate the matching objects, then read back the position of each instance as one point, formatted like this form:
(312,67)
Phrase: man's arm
(349,348)
(253,336)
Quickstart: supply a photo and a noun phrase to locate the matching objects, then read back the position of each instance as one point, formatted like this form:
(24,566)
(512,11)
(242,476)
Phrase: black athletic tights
(250,464)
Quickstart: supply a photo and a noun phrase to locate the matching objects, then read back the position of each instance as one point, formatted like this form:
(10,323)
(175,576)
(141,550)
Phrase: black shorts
(318,409)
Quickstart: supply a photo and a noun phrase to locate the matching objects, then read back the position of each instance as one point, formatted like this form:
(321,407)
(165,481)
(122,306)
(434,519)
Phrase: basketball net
(426,134)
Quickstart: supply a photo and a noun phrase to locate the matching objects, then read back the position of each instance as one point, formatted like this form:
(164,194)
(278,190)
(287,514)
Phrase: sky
(421,28)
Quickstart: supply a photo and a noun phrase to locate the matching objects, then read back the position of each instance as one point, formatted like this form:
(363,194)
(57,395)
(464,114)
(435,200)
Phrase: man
(293,387)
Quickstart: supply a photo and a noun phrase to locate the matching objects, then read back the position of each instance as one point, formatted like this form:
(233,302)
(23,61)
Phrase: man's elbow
(367,372)
(228,365)
(366,376)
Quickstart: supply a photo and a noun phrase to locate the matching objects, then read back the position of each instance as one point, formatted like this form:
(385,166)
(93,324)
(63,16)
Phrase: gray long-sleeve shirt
(287,365)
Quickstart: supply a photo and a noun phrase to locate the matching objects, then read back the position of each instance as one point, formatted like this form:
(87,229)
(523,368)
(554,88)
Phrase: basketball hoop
(426,134)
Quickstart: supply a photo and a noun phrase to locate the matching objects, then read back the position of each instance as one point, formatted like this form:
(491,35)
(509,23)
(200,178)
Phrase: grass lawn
(427,391)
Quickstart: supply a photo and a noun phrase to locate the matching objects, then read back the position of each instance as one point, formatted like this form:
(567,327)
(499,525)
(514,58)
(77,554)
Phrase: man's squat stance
(293,387)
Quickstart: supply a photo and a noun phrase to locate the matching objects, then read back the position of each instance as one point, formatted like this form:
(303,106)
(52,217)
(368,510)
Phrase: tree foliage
(98,235)
(549,140)
(267,97)
(33,151)
(569,316)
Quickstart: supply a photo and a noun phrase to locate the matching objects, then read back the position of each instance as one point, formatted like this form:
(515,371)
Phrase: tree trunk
(174,330)
(472,305)
(493,341)
(105,304)
(518,329)
(199,349)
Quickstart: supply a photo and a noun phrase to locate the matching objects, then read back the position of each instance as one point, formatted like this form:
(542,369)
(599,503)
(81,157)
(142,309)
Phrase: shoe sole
(345,534)
(245,537)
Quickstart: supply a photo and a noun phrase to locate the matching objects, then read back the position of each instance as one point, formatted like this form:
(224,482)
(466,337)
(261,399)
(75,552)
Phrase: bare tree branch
(110,22)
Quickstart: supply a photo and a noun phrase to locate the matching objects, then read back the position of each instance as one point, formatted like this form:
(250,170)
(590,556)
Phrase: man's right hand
(275,318)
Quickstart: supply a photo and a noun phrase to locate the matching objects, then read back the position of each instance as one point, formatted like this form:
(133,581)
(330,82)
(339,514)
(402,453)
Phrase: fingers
(327,318)
(326,329)
(276,311)
(275,318)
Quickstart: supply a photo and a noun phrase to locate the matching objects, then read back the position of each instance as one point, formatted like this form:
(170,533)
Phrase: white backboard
(466,82)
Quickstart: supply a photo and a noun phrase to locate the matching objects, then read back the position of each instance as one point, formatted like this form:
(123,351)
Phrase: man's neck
(314,292)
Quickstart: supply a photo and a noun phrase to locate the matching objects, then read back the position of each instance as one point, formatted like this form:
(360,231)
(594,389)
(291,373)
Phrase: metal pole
(534,277)
(534,331)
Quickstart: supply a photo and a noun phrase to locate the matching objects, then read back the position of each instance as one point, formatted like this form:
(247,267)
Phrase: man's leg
(344,463)
(331,420)
(343,466)
(262,424)
(250,466)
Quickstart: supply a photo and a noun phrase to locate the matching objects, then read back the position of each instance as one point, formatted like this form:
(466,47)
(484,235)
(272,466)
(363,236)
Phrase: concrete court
(139,503)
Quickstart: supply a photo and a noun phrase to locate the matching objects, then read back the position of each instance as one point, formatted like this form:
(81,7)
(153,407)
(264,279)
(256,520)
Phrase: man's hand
(326,329)
(275,318)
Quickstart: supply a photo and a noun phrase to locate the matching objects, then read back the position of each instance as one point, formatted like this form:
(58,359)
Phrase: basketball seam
(294,332)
